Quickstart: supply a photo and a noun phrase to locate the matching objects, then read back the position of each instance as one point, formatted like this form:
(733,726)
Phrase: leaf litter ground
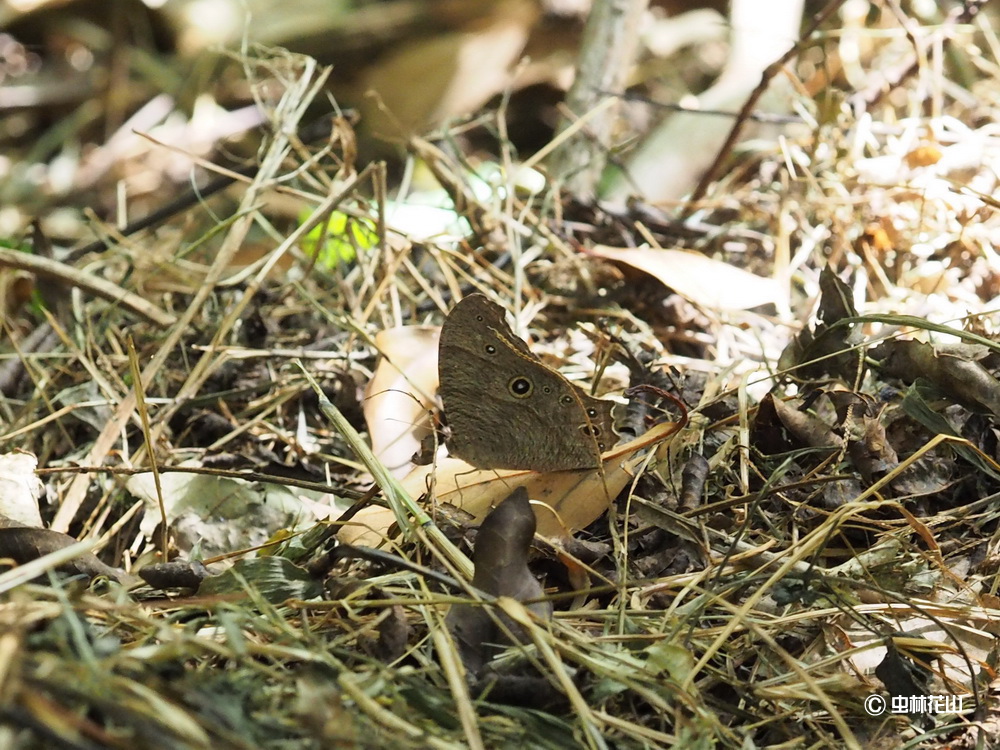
(822,531)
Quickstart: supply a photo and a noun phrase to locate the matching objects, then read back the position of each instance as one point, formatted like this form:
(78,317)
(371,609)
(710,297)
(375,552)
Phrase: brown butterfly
(506,409)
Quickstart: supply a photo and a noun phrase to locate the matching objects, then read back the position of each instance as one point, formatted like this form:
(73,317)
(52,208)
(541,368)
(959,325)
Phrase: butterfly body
(506,409)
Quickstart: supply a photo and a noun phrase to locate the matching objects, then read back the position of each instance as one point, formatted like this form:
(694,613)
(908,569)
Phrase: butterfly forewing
(506,409)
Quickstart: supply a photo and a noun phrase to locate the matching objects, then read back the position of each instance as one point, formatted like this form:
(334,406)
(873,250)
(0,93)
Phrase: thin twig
(97,286)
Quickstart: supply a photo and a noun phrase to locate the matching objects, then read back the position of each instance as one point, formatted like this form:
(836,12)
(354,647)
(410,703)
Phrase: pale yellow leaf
(397,405)
(704,281)
(565,500)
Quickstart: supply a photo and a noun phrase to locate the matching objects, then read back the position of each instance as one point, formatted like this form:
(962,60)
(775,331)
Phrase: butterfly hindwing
(506,409)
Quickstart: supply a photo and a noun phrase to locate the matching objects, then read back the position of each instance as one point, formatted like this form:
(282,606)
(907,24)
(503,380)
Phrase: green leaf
(275,578)
(338,240)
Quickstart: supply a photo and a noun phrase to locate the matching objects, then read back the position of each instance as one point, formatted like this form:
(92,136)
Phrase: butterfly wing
(505,408)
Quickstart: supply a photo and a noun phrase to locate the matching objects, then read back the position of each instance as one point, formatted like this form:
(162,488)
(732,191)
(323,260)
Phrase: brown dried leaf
(962,379)
(178,574)
(501,551)
(868,446)
(779,427)
(826,348)
(836,300)
(501,559)
(393,635)
(23,544)
(693,479)
(446,74)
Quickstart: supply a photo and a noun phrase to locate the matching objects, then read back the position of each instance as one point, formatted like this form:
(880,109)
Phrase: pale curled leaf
(396,403)
(566,500)
(20,488)
(949,642)
(576,498)
(403,505)
(707,282)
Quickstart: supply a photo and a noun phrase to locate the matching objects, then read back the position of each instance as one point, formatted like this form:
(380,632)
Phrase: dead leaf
(779,426)
(501,558)
(960,378)
(707,282)
(567,500)
(397,403)
(501,552)
(391,625)
(20,488)
(426,80)
(861,420)
(827,347)
(178,574)
(693,479)
(925,656)
(900,675)
(22,545)
(393,635)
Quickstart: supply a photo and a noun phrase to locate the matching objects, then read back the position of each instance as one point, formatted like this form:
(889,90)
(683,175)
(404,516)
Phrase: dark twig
(172,208)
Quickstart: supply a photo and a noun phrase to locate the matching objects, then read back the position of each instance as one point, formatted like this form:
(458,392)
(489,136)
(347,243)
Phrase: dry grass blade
(294,104)
(140,403)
